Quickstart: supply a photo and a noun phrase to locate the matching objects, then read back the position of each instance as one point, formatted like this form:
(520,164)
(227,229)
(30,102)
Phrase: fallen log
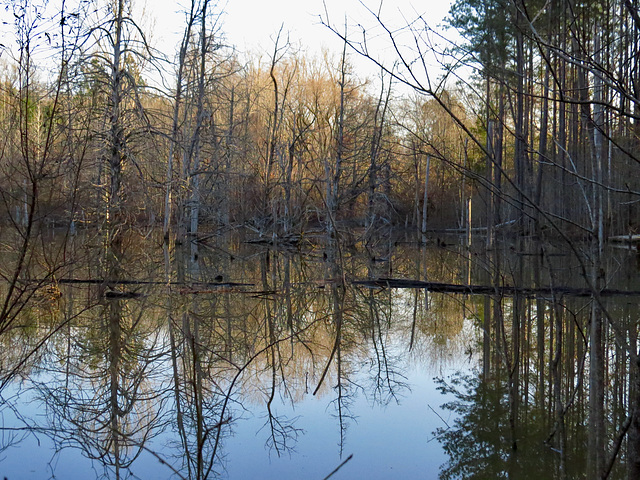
(121,295)
(502,290)
(628,239)
(99,281)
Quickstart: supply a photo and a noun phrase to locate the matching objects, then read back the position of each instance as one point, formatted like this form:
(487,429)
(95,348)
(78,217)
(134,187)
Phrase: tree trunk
(194,174)
(116,133)
(173,141)
(426,197)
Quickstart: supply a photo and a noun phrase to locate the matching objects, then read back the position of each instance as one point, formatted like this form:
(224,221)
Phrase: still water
(233,361)
(238,360)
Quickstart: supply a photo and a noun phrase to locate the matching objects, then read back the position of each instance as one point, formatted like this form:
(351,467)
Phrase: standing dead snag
(177,109)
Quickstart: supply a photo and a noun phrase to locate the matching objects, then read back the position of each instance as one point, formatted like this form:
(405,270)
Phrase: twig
(439,416)
(339,466)
(616,447)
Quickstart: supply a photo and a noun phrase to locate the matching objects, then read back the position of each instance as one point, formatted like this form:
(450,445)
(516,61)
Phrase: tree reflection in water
(167,378)
(103,398)
(528,411)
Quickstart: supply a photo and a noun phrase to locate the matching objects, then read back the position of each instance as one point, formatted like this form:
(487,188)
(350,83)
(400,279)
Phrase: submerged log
(287,240)
(99,281)
(121,295)
(488,289)
(633,239)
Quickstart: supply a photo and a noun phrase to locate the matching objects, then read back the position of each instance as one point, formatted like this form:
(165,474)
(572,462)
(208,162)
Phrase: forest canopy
(535,105)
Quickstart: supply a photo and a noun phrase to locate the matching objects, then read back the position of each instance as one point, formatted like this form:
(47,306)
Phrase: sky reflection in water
(390,406)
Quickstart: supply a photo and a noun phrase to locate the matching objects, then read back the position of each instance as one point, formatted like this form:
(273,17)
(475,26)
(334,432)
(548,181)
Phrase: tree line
(281,143)
(542,133)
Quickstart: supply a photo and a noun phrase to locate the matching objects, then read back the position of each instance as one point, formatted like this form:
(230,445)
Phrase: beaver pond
(242,359)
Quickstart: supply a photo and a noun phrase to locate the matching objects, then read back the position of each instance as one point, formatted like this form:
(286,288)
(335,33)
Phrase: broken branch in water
(339,466)
(488,289)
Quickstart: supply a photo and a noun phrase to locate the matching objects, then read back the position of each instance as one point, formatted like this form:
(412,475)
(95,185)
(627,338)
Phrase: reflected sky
(152,372)
(392,441)
(387,441)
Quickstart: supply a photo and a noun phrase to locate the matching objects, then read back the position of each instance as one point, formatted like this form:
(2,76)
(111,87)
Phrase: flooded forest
(221,264)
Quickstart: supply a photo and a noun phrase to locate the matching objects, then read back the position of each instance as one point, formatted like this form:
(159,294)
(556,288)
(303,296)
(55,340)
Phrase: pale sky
(251,25)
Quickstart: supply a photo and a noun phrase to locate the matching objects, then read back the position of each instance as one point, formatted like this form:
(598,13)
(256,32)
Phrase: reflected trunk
(209,345)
